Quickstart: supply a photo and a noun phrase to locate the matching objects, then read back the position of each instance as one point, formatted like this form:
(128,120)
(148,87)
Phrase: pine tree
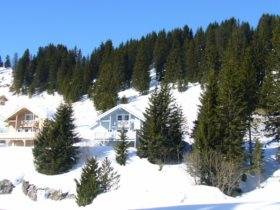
(109,179)
(15,61)
(89,185)
(123,100)
(53,151)
(150,133)
(119,70)
(75,89)
(160,53)
(7,63)
(271,87)
(121,148)
(191,64)
(42,158)
(212,57)
(265,97)
(262,45)
(162,132)
(1,62)
(231,102)
(250,90)
(278,155)
(105,90)
(174,70)
(19,82)
(199,53)
(141,76)
(257,160)
(206,131)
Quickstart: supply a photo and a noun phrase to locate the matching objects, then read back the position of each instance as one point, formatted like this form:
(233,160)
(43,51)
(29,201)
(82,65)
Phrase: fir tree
(53,151)
(278,155)
(174,71)
(105,90)
(15,61)
(1,62)
(109,179)
(41,153)
(160,53)
(141,76)
(191,64)
(19,83)
(232,105)
(212,57)
(262,45)
(250,89)
(7,63)
(89,185)
(123,100)
(161,135)
(206,132)
(119,70)
(199,53)
(190,58)
(265,97)
(271,87)
(121,148)
(257,160)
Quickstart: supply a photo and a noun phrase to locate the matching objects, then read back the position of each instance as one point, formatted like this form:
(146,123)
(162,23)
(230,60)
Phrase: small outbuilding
(3,100)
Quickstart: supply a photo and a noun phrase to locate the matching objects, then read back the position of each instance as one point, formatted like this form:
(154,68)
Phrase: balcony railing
(29,123)
(17,135)
(123,124)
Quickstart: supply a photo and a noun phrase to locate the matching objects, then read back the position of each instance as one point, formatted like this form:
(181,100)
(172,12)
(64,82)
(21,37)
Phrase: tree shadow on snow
(223,206)
(92,151)
(270,166)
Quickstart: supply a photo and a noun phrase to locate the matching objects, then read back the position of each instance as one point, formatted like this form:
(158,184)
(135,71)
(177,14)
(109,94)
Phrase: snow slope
(142,185)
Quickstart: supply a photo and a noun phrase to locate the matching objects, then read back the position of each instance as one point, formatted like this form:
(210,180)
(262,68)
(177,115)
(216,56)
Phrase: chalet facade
(110,123)
(22,127)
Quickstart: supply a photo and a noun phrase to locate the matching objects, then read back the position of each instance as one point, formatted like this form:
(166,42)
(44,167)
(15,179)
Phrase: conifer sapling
(89,185)
(121,148)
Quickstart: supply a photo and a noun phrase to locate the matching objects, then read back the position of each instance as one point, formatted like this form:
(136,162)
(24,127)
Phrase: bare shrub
(212,168)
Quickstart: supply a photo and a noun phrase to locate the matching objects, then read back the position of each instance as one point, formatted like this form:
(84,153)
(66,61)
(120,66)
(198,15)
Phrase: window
(123,117)
(125,130)
(28,117)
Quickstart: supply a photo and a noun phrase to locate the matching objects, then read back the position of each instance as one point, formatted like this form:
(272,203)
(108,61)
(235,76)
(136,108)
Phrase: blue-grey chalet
(109,124)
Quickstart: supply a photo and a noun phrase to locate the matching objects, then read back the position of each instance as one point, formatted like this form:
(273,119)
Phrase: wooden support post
(16,123)
(136,136)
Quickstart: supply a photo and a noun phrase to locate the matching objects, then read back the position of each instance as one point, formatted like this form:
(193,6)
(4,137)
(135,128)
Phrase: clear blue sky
(86,23)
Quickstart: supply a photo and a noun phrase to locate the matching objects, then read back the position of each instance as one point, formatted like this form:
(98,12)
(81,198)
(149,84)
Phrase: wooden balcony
(18,135)
(28,124)
(123,124)
(18,138)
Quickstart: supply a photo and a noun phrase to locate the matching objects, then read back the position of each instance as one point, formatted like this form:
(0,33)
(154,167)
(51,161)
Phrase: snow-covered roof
(41,113)
(127,107)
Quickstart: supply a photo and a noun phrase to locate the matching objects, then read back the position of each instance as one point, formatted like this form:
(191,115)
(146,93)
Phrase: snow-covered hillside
(142,184)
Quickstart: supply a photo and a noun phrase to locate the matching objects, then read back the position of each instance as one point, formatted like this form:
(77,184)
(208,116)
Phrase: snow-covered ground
(142,185)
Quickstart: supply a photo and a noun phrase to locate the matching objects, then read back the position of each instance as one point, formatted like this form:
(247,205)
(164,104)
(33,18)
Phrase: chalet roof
(36,111)
(127,107)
